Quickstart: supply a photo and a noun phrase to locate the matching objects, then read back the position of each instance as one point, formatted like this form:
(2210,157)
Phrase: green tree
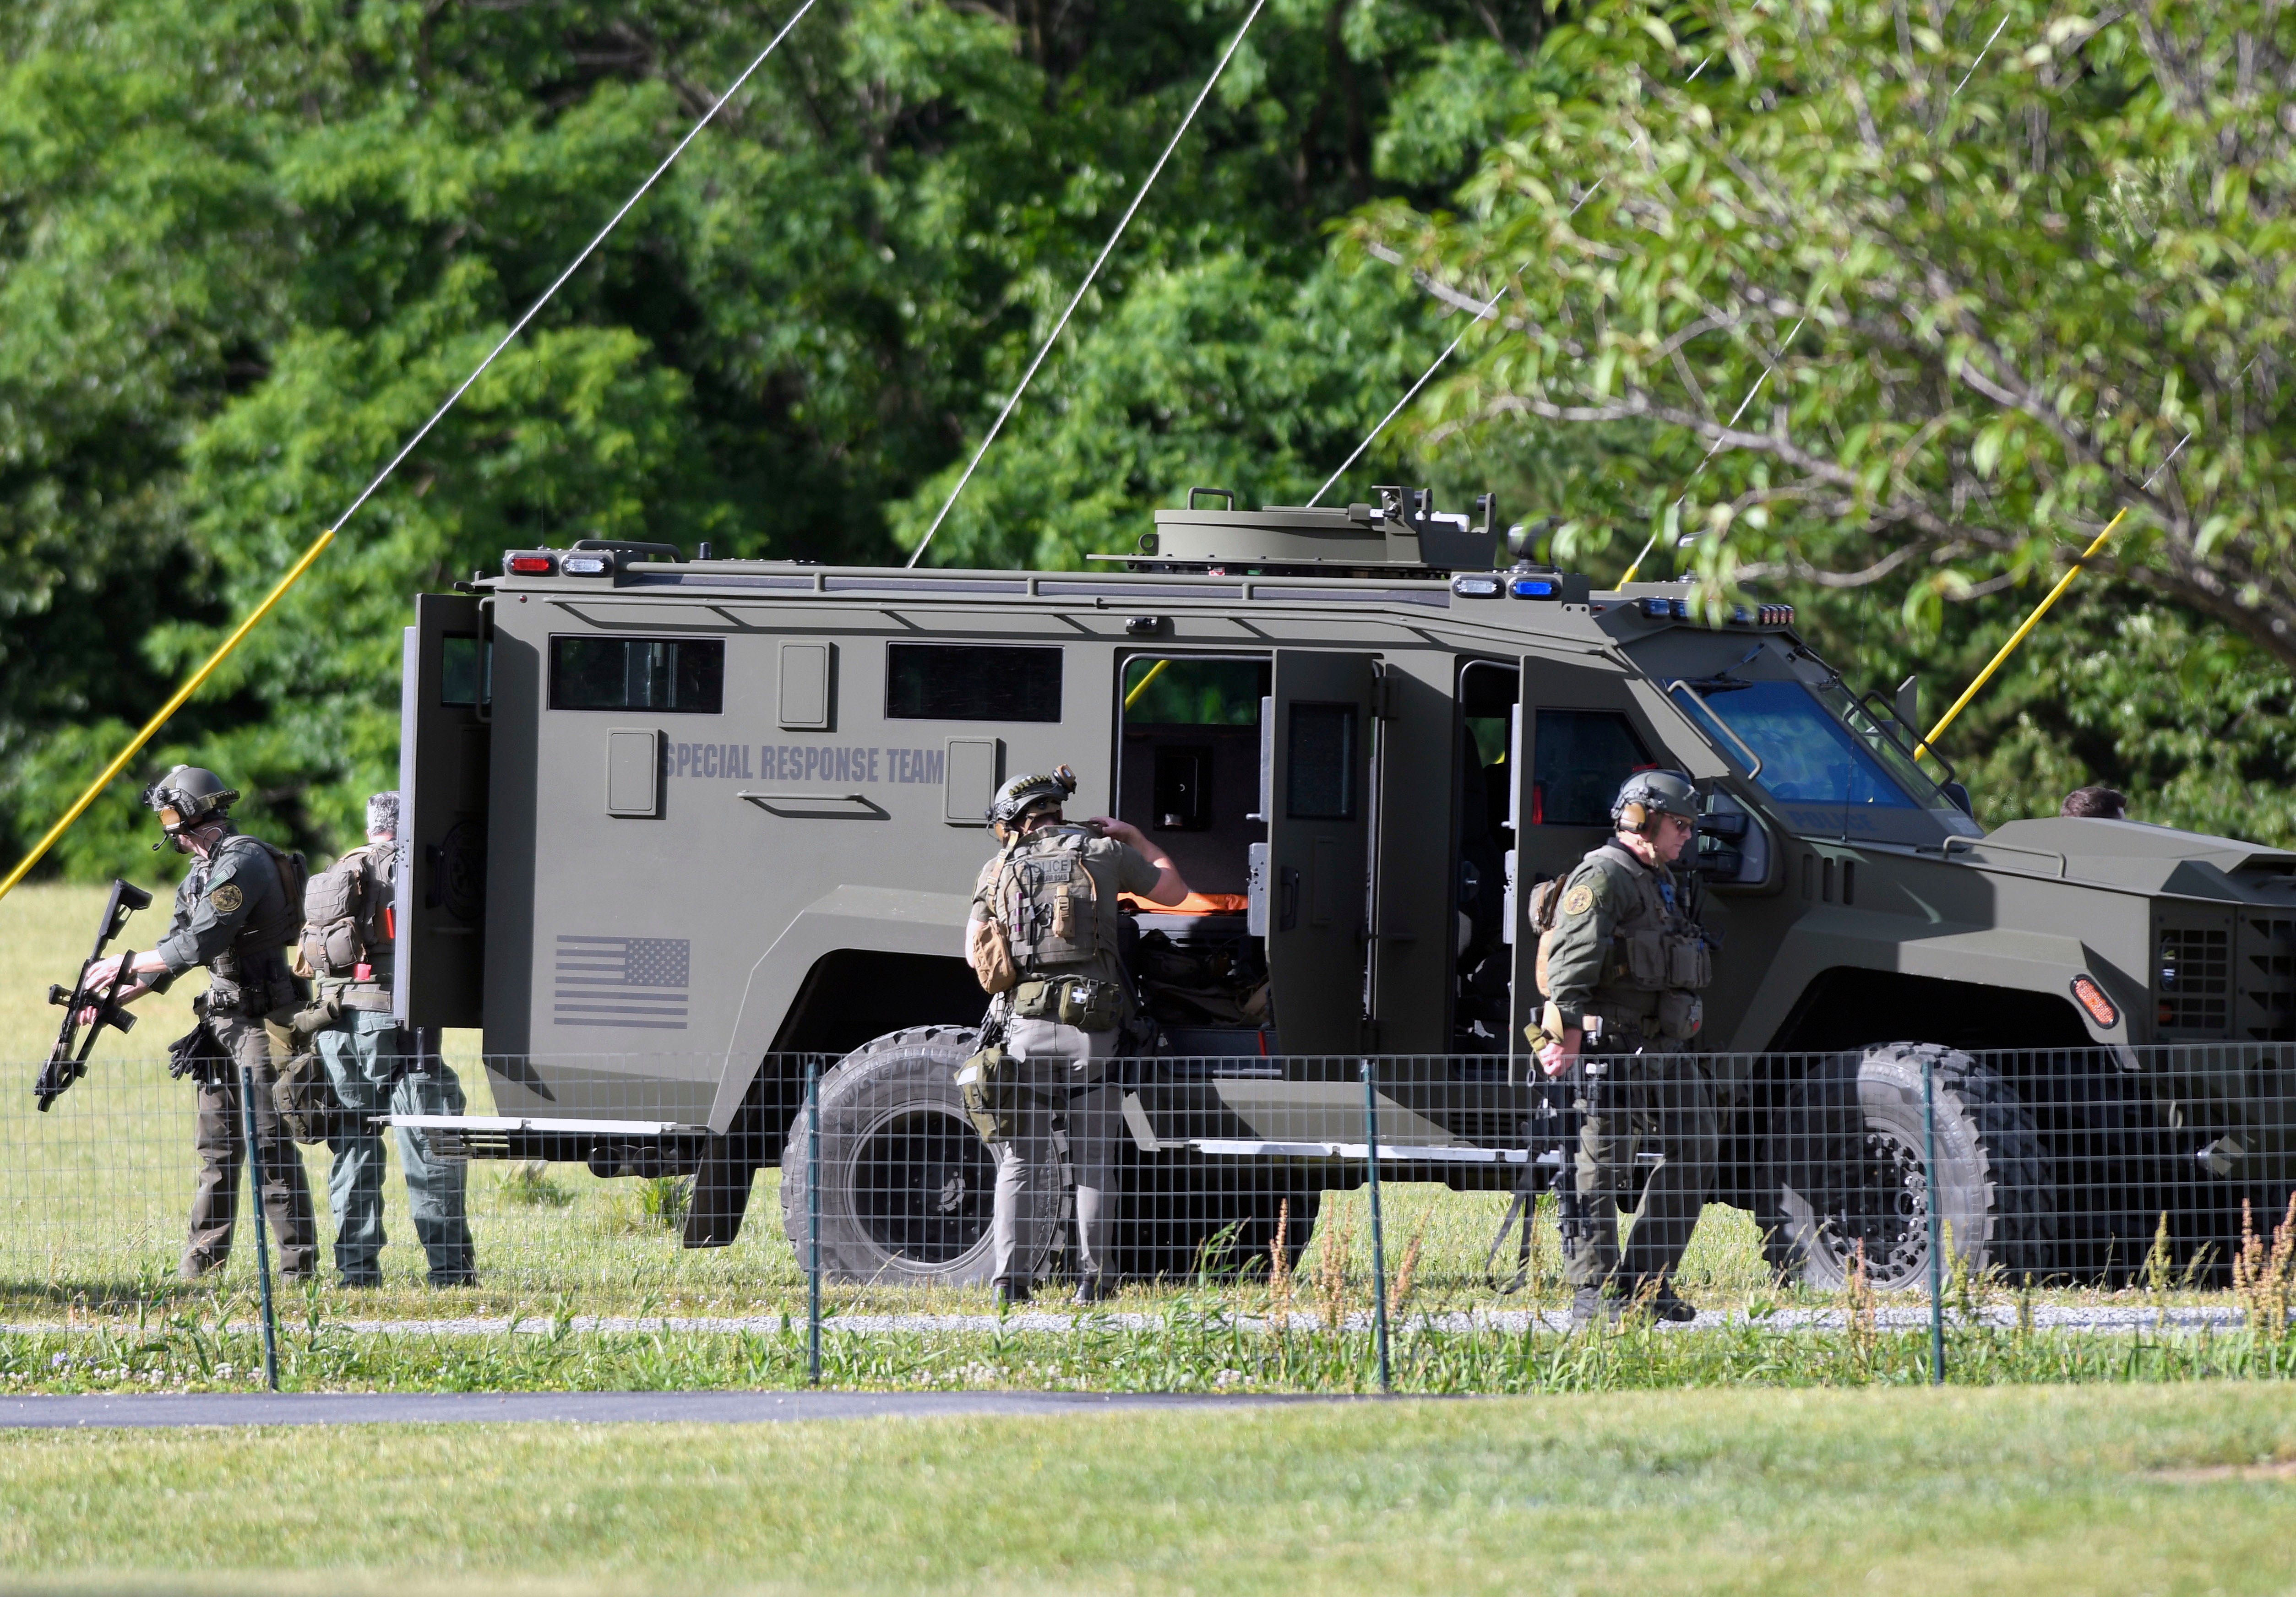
(1983,292)
(246,247)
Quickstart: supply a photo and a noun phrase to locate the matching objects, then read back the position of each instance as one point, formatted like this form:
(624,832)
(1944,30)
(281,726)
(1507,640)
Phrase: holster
(988,1085)
(306,1097)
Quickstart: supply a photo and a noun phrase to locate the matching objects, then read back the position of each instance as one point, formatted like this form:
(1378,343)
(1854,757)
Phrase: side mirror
(1959,794)
(1731,847)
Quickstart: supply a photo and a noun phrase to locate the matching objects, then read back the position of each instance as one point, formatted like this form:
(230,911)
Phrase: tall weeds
(2264,1279)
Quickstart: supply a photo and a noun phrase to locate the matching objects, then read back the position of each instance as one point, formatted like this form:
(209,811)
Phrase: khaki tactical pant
(221,1141)
(1659,1102)
(1056,1062)
(368,1062)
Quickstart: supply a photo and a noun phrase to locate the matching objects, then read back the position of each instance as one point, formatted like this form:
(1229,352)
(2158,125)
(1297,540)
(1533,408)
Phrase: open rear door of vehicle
(1317,797)
(1580,729)
(444,739)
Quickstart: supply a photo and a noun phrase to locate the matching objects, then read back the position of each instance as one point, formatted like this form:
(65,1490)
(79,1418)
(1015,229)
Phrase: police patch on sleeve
(1579,900)
(226,897)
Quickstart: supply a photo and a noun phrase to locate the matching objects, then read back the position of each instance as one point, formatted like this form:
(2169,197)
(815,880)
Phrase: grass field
(2010,1490)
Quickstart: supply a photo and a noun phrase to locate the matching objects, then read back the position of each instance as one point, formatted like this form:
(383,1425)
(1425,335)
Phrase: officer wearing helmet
(1043,936)
(1623,964)
(235,912)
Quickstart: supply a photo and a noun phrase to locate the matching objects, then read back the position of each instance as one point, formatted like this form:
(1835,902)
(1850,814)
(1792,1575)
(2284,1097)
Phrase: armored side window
(681,676)
(463,663)
(972,681)
(1580,758)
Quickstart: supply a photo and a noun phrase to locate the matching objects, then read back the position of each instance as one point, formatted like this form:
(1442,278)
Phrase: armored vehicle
(674,825)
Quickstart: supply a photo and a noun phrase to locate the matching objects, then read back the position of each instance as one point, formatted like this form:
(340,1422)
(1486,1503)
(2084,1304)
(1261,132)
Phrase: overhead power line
(1107,250)
(318,546)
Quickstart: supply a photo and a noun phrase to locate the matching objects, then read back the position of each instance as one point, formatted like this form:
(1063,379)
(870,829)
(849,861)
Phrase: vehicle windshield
(1826,759)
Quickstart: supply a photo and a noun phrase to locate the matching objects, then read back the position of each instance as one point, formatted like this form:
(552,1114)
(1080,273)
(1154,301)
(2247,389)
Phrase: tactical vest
(1657,962)
(1046,898)
(250,977)
(350,926)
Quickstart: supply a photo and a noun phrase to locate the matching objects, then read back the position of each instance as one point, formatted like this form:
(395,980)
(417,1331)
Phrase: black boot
(1094,1288)
(1010,1291)
(1658,1300)
(1667,1306)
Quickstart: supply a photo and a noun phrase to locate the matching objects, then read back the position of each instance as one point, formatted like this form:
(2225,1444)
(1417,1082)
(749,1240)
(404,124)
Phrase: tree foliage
(1978,282)
(1925,295)
(247,245)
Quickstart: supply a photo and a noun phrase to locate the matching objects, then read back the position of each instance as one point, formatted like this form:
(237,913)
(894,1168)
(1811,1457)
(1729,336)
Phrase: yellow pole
(1141,686)
(152,727)
(2018,636)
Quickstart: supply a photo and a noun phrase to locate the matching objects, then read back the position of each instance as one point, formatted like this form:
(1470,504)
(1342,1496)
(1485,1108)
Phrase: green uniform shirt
(1609,896)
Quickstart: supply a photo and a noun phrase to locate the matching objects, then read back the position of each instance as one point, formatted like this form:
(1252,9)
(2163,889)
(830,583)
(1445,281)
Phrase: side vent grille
(2195,977)
(2268,978)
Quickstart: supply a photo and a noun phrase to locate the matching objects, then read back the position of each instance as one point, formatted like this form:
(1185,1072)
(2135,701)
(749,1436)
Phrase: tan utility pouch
(306,1098)
(987,1085)
(1076,1000)
(991,953)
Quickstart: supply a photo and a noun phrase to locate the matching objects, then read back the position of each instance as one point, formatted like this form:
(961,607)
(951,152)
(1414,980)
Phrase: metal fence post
(1378,1238)
(1937,1246)
(262,1240)
(813,1219)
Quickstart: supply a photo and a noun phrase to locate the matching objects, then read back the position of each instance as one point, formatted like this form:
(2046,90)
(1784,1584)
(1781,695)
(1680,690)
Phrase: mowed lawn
(2018,1490)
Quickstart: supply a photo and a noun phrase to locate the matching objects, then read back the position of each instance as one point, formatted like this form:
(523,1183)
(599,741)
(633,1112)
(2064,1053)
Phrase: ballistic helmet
(187,797)
(1647,795)
(1023,795)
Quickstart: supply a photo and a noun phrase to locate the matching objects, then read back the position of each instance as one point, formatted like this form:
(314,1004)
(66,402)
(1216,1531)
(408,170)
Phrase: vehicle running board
(453,1139)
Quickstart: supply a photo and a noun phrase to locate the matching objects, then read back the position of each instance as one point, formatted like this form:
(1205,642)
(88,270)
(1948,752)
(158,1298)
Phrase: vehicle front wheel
(1845,1172)
(906,1184)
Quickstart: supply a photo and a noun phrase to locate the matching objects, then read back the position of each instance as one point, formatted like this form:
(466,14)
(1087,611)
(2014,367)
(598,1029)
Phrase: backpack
(348,915)
(1546,896)
(294,874)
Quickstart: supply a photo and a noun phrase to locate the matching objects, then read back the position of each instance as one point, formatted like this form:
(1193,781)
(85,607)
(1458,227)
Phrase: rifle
(65,1065)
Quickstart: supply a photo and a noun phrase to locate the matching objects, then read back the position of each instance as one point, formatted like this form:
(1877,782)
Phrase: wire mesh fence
(1896,1187)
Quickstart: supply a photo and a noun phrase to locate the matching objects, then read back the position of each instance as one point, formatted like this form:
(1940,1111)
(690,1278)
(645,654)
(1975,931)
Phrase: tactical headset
(1646,795)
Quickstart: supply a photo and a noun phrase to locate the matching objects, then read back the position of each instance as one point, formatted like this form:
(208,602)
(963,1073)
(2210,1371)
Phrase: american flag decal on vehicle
(636,982)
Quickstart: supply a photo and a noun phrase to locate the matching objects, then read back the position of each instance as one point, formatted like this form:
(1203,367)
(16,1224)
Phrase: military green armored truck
(674,825)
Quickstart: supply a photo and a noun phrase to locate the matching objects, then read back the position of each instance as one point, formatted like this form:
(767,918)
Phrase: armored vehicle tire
(1843,1166)
(1185,1213)
(906,1184)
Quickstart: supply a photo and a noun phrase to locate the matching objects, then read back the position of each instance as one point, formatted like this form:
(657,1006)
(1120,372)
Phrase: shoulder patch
(226,897)
(1579,900)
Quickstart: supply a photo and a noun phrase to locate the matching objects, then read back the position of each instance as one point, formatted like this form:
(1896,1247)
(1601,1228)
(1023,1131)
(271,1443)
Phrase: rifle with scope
(68,1060)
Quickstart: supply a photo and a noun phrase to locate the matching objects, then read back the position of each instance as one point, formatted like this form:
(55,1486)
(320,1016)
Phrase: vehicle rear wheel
(906,1184)
(1844,1171)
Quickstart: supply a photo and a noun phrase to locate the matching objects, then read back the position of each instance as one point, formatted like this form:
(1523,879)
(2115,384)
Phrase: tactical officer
(1050,897)
(235,915)
(350,933)
(1625,961)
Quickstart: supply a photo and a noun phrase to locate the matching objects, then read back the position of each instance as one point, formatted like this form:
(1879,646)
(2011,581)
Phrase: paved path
(167,1411)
